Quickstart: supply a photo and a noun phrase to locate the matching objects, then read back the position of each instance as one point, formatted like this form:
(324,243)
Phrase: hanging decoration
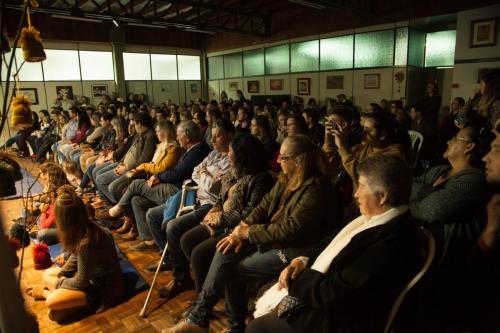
(22,116)
(30,40)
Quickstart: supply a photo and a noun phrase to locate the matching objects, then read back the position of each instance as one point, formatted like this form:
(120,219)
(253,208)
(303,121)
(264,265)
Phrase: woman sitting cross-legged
(90,279)
(190,241)
(299,211)
(352,284)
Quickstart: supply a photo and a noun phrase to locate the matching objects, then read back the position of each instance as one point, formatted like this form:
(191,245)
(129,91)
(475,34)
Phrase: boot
(131,235)
(127,224)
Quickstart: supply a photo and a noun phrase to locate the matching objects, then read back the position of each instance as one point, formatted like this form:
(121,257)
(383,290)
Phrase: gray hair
(388,174)
(191,129)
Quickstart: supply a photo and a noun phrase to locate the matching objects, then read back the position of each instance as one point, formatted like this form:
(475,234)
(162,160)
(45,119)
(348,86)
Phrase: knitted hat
(41,256)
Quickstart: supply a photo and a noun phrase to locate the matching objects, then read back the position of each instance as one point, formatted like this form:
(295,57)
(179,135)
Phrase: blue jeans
(175,229)
(230,272)
(156,222)
(103,183)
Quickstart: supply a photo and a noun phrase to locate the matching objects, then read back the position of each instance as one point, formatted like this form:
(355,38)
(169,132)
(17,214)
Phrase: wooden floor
(123,318)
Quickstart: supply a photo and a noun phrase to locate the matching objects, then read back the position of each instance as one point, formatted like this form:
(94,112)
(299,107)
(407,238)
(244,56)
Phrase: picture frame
(233,86)
(99,90)
(30,93)
(372,81)
(303,86)
(60,90)
(483,32)
(194,88)
(335,82)
(276,84)
(253,86)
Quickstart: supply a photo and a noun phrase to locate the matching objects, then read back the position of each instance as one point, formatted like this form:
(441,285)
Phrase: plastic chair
(417,140)
(187,187)
(428,248)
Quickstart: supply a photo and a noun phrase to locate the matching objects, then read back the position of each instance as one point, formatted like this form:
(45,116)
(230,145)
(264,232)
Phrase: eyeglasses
(458,138)
(282,158)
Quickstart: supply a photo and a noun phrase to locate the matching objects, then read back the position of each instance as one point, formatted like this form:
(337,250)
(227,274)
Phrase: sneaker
(115,211)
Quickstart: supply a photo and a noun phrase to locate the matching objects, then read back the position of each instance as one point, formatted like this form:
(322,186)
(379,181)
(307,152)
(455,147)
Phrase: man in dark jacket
(158,188)
(112,183)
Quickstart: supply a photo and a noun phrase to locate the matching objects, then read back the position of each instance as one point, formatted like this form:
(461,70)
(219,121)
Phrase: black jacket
(363,281)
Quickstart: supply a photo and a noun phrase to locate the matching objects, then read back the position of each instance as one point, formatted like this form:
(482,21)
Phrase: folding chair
(188,186)
(428,248)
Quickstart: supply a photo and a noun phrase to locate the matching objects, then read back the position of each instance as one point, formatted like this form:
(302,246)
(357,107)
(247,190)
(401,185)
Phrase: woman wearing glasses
(451,201)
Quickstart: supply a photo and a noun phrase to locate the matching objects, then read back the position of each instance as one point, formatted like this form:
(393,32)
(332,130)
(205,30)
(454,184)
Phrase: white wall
(353,85)
(470,60)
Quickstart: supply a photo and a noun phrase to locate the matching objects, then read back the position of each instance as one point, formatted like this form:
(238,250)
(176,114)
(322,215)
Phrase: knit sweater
(95,267)
(454,210)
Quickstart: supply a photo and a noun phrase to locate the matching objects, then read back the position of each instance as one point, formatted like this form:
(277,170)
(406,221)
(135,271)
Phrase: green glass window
(304,56)
(374,49)
(233,65)
(215,68)
(277,59)
(440,48)
(253,62)
(401,52)
(337,52)
(416,44)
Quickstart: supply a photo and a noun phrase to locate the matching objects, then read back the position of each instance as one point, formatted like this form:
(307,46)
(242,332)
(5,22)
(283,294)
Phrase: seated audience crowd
(317,209)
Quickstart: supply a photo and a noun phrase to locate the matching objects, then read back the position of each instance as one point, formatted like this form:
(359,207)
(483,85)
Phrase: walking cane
(143,310)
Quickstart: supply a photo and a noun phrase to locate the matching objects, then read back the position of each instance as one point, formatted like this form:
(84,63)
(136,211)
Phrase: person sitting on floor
(290,219)
(91,278)
(352,284)
(54,177)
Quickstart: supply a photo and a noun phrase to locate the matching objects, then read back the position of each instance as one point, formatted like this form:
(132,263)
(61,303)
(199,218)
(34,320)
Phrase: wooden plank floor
(123,318)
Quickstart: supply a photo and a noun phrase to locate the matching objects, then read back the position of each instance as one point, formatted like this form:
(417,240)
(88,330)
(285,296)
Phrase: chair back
(428,249)
(416,144)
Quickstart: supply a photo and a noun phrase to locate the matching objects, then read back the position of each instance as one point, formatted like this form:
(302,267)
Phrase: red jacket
(80,134)
(48,218)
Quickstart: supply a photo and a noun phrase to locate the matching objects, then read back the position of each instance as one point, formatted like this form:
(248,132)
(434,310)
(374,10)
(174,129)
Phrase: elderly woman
(289,220)
(351,285)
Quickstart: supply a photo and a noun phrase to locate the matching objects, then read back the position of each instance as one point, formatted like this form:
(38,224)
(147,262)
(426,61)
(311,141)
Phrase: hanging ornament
(21,113)
(30,40)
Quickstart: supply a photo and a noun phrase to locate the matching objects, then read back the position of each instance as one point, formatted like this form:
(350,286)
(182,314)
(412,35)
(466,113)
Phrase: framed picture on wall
(253,86)
(30,93)
(276,84)
(303,86)
(61,90)
(99,90)
(372,81)
(194,88)
(483,33)
(233,86)
(335,82)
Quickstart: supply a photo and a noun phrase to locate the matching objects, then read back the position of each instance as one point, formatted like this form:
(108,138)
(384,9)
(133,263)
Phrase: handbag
(288,306)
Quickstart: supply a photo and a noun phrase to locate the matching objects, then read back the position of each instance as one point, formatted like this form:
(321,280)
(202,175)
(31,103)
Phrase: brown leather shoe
(103,214)
(127,224)
(131,235)
(174,288)
(185,327)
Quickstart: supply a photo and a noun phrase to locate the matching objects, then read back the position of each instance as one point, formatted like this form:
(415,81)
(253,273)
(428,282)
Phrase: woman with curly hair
(90,279)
